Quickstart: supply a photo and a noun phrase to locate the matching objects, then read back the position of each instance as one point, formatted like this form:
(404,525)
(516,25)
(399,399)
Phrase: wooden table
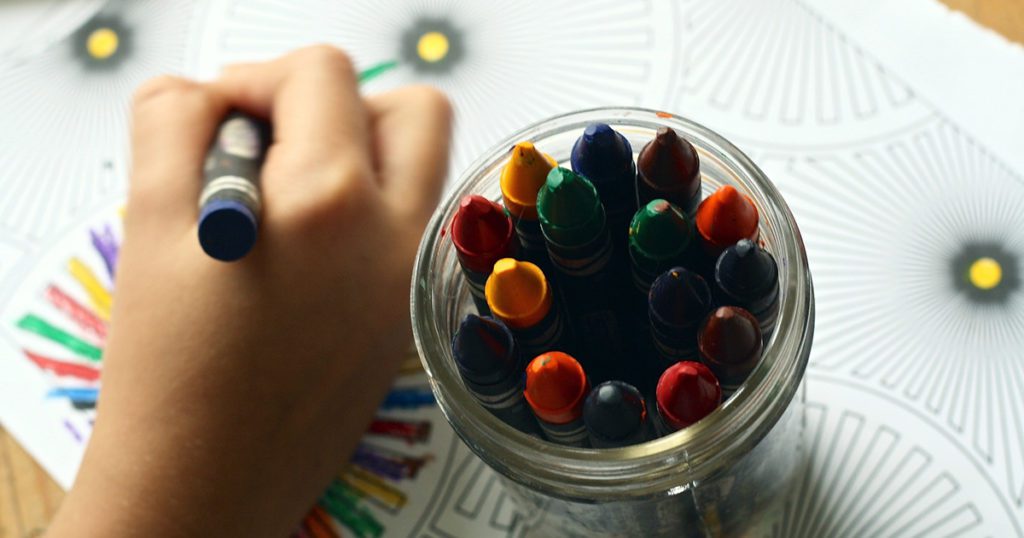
(29,497)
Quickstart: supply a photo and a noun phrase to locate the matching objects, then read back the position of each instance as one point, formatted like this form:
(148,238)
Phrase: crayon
(229,204)
(687,391)
(520,181)
(490,364)
(556,387)
(408,398)
(730,345)
(679,301)
(482,234)
(747,276)
(603,156)
(410,431)
(658,240)
(723,219)
(668,167)
(587,272)
(519,295)
(615,415)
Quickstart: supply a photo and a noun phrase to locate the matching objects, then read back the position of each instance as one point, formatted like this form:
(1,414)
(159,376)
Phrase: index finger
(312,98)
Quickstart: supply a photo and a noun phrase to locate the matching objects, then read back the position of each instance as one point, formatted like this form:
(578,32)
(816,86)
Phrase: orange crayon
(556,387)
(724,218)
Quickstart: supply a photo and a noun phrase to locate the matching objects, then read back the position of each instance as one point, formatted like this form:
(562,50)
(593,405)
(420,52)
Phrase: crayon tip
(517,293)
(569,207)
(669,163)
(522,178)
(602,154)
(659,230)
(482,233)
(614,410)
(746,271)
(730,336)
(727,216)
(687,391)
(556,386)
(484,349)
(227,230)
(679,297)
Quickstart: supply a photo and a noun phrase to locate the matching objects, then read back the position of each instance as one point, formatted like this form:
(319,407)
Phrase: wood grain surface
(29,497)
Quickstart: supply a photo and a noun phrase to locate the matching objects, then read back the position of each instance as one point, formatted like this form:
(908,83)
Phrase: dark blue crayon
(678,302)
(616,415)
(229,204)
(747,276)
(590,276)
(604,156)
(487,357)
(408,398)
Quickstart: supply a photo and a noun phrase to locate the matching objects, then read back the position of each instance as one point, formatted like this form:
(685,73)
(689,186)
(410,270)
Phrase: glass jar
(728,474)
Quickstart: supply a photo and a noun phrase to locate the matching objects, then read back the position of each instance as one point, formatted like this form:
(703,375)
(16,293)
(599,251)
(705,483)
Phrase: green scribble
(35,324)
(341,503)
(375,71)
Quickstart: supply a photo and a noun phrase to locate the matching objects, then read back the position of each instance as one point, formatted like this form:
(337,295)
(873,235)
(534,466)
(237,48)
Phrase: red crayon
(686,393)
(724,218)
(482,234)
(730,345)
(556,387)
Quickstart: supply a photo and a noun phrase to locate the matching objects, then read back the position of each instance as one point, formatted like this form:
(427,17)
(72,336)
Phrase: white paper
(892,128)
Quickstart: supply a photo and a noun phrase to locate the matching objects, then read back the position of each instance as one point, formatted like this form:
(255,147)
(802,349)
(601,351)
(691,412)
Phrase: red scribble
(412,432)
(64,368)
(81,315)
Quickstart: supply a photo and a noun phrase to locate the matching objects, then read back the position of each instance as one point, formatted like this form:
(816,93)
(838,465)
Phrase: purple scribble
(386,463)
(74,432)
(106,244)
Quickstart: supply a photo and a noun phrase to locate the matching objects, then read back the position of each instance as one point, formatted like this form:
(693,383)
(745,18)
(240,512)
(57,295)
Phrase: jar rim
(650,468)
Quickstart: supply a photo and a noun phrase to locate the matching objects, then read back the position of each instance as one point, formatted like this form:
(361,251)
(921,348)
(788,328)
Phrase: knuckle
(327,56)
(158,86)
(431,99)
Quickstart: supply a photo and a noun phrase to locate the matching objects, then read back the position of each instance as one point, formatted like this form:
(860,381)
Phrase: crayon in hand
(587,270)
(489,362)
(482,234)
(723,219)
(556,387)
(616,415)
(229,204)
(687,392)
(747,276)
(519,295)
(730,345)
(520,181)
(679,302)
(668,167)
(603,156)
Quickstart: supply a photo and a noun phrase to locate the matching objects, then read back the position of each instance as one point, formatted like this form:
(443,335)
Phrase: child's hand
(233,392)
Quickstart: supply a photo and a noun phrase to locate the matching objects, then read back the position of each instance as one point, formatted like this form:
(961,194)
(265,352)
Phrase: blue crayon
(605,157)
(229,204)
(591,277)
(747,276)
(678,302)
(490,364)
(408,398)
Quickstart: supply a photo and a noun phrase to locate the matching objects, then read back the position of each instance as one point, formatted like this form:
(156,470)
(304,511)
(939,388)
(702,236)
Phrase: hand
(233,392)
